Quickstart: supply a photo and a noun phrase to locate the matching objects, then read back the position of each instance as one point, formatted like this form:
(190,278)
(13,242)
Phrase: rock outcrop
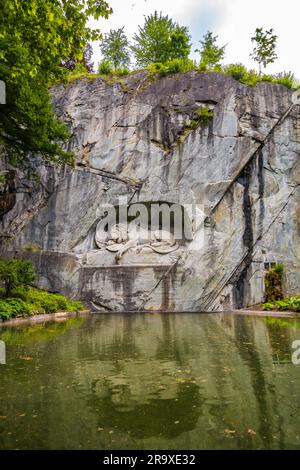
(143,141)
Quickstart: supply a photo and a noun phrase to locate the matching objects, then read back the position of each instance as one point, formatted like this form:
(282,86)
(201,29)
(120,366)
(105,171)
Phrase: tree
(16,273)
(36,36)
(159,40)
(264,51)
(72,62)
(210,53)
(115,48)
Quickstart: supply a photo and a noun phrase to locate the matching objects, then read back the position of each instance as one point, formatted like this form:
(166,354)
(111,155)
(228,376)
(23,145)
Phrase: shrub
(172,66)
(16,273)
(294,303)
(282,304)
(179,65)
(35,301)
(105,67)
(273,283)
(267,78)
(156,68)
(286,78)
(51,303)
(289,303)
(122,71)
(268,306)
(237,71)
(204,114)
(11,307)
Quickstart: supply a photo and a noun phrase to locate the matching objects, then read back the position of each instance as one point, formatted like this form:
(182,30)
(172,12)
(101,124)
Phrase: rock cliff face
(141,141)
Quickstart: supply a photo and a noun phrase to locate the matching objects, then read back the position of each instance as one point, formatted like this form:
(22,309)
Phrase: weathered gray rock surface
(134,139)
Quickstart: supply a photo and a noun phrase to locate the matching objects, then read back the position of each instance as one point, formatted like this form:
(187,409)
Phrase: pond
(151,381)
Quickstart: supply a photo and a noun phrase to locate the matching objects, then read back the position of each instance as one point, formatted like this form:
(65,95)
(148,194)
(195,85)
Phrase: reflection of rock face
(153,381)
(242,168)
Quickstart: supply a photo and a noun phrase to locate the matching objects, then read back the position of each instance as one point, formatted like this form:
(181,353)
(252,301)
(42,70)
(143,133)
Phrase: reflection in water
(153,381)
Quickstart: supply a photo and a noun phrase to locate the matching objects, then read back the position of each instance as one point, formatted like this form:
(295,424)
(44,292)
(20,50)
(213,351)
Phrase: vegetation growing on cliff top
(43,42)
(19,298)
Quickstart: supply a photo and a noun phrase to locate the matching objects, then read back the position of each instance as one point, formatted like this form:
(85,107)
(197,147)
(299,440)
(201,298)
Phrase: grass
(288,304)
(156,70)
(23,303)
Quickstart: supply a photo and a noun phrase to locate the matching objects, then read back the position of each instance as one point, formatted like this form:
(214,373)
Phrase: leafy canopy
(160,40)
(36,37)
(115,48)
(210,53)
(264,51)
(16,273)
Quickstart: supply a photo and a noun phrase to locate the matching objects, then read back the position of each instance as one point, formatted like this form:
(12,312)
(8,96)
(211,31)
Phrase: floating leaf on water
(250,431)
(229,431)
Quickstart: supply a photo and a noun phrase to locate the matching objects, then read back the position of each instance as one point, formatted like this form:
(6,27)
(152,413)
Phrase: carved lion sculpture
(121,238)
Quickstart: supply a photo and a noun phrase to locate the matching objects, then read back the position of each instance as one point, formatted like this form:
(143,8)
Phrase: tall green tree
(115,48)
(86,62)
(160,39)
(210,53)
(36,36)
(264,51)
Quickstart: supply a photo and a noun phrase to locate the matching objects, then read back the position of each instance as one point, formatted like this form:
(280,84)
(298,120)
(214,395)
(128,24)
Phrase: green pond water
(151,381)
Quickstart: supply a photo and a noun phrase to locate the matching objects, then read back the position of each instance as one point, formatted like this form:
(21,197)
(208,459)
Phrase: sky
(234,21)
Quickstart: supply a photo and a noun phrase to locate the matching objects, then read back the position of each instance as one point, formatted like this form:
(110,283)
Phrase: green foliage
(160,40)
(273,283)
(36,37)
(85,62)
(170,67)
(115,48)
(286,78)
(16,298)
(35,301)
(105,67)
(268,306)
(282,304)
(122,71)
(210,53)
(289,303)
(2,178)
(79,71)
(12,307)
(204,115)
(265,47)
(250,77)
(16,273)
(294,303)
(51,303)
